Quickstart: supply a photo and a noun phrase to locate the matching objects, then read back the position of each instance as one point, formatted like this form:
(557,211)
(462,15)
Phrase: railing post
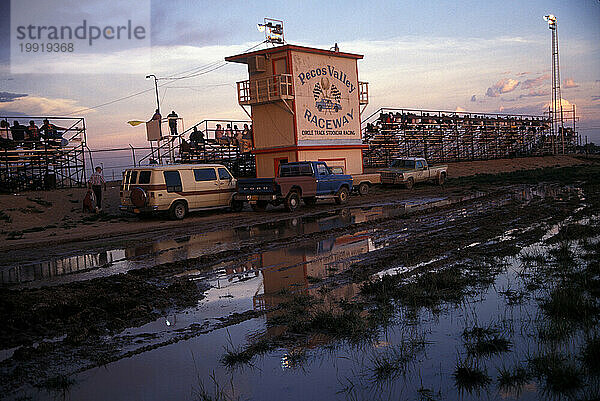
(133,155)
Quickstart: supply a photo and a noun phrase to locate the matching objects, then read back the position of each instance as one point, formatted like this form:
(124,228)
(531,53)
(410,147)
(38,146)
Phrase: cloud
(595,98)
(564,103)
(534,93)
(459,109)
(532,83)
(7,97)
(522,73)
(502,86)
(40,106)
(534,109)
(473,98)
(569,83)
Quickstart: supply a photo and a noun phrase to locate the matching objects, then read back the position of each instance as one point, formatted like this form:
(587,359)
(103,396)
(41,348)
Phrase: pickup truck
(308,181)
(411,170)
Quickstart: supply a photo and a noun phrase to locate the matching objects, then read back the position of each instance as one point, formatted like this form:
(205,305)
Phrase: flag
(134,123)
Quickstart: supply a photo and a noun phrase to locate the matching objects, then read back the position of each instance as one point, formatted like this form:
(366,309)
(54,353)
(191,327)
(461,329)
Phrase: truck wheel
(410,183)
(310,200)
(259,206)
(178,210)
(292,201)
(237,205)
(342,196)
(441,179)
(363,188)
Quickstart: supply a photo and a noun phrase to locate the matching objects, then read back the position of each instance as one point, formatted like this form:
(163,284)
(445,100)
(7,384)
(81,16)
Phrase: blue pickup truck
(308,181)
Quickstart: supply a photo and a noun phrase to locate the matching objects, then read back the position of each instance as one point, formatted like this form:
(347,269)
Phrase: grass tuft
(468,376)
(481,341)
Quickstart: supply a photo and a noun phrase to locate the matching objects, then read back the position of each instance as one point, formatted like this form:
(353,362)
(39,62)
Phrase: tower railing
(265,90)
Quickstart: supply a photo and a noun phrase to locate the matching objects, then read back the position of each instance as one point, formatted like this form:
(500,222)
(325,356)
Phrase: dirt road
(33,220)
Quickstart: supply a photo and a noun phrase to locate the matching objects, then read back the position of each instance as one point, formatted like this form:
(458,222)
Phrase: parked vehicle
(178,189)
(411,170)
(361,183)
(308,181)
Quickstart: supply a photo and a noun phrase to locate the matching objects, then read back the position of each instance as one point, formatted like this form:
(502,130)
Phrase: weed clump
(469,377)
(560,374)
(482,341)
(513,379)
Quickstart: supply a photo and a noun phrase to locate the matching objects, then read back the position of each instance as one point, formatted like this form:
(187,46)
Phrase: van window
(133,177)
(205,174)
(419,165)
(224,174)
(173,181)
(144,177)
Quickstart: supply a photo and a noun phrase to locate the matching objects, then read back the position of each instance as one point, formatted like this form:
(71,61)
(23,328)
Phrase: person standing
(173,122)
(96,182)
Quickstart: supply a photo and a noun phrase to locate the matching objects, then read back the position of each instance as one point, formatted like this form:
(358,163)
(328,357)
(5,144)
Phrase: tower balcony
(265,90)
(363,93)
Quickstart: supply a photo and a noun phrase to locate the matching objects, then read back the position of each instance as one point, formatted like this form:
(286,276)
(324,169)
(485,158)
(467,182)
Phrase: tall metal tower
(556,110)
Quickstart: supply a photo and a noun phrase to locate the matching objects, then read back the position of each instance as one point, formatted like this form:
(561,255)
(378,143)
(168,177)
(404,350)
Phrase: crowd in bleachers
(230,137)
(405,120)
(31,136)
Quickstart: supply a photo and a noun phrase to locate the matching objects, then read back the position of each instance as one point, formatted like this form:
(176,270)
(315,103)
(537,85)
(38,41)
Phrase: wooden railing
(265,90)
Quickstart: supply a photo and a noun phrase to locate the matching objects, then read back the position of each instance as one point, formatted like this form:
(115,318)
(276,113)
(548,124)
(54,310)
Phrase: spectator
(50,133)
(219,134)
(33,133)
(228,134)
(196,137)
(96,182)
(173,122)
(246,132)
(18,132)
(6,141)
(156,116)
(237,135)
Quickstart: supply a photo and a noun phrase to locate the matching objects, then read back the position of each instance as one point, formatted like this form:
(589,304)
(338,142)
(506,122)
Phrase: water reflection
(87,266)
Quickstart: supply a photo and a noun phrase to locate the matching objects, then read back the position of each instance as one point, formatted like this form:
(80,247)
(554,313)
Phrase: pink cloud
(569,83)
(532,83)
(502,86)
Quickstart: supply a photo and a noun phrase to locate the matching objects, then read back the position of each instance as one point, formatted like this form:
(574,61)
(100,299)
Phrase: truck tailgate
(256,186)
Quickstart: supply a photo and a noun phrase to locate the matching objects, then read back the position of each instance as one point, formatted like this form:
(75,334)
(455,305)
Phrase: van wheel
(310,200)
(410,183)
(363,188)
(342,196)
(237,205)
(178,210)
(441,179)
(292,201)
(259,206)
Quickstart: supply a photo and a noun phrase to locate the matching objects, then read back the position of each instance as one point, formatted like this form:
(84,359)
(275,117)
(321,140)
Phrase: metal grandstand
(57,162)
(234,154)
(459,136)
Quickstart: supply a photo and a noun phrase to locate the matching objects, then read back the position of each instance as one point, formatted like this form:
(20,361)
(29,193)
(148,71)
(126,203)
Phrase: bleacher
(442,136)
(47,163)
(234,154)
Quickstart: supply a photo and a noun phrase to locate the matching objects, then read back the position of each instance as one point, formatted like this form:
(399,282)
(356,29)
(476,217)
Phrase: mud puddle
(501,339)
(100,264)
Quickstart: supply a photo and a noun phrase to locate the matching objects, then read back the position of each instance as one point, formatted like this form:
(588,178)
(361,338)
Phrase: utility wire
(199,72)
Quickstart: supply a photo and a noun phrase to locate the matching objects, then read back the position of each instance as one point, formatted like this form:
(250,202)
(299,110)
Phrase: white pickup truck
(410,170)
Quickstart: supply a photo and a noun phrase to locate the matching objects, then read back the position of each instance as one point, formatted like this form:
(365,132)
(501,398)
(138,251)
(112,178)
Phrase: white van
(178,189)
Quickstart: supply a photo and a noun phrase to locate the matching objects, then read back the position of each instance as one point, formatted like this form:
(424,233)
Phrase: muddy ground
(31,220)
(429,248)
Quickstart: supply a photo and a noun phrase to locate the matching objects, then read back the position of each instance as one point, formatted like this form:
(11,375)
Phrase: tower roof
(243,58)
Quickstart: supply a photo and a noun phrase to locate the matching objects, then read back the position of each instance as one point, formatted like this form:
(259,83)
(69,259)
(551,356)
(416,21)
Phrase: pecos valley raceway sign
(327,108)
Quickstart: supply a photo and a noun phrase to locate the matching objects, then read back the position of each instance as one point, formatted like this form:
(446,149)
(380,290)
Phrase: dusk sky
(480,56)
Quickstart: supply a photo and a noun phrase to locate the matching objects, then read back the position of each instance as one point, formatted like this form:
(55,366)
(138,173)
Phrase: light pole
(155,87)
(557,109)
